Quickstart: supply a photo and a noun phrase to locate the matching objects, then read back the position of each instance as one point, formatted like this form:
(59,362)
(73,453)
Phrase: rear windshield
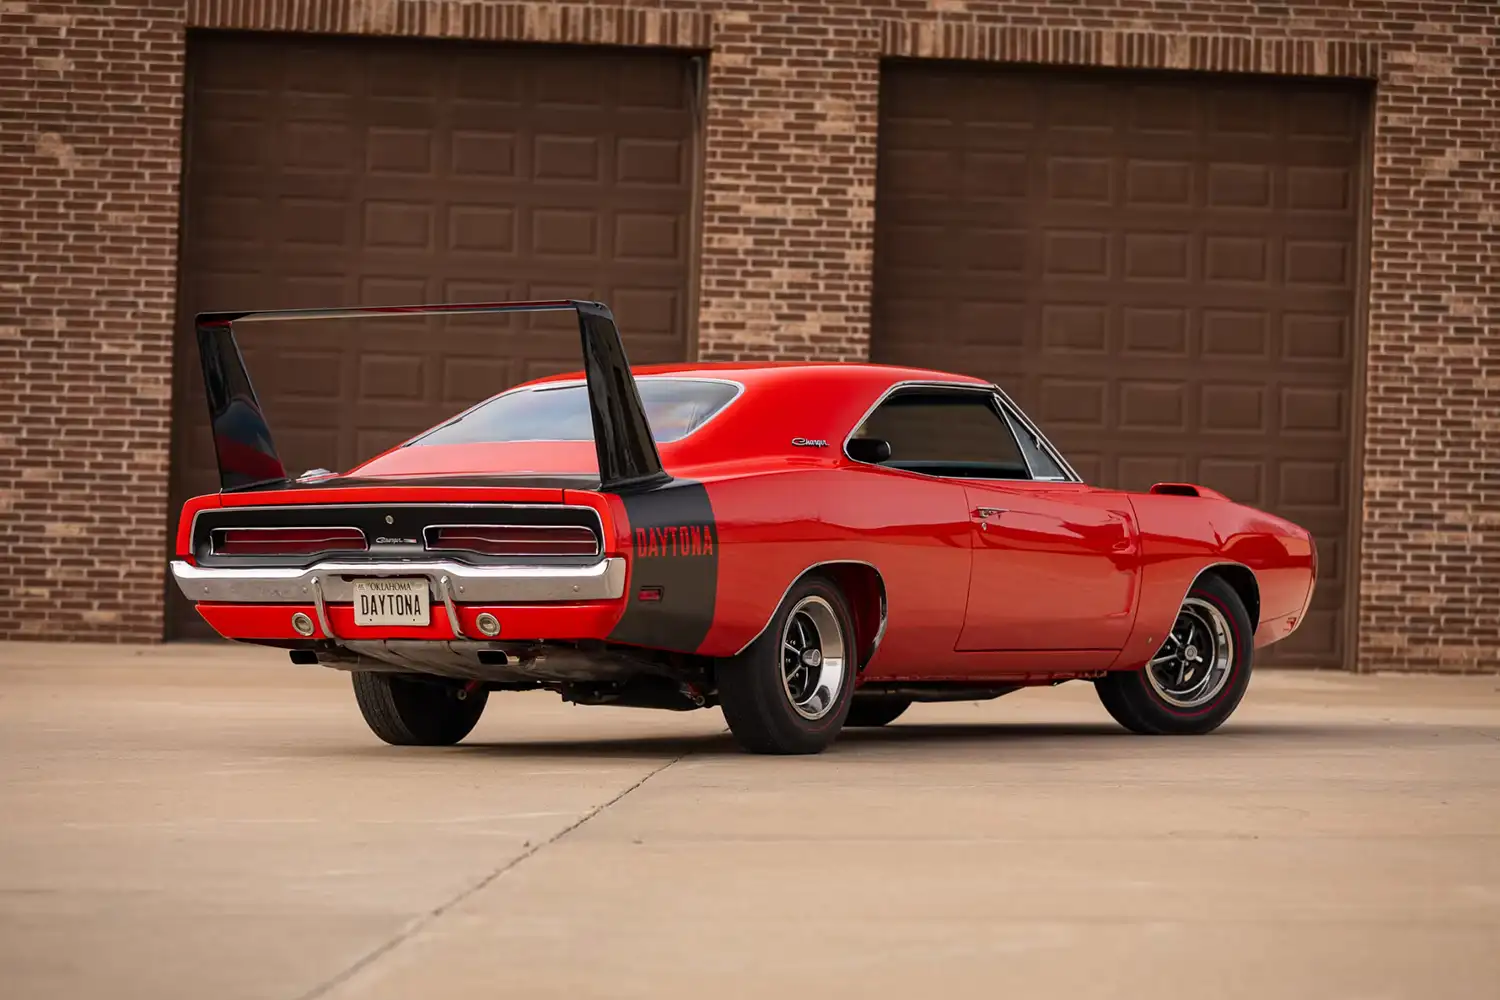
(674,409)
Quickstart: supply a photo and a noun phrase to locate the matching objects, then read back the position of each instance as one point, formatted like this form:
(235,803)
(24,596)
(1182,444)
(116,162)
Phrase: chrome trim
(446,596)
(999,406)
(892,389)
(598,535)
(480,505)
(1216,673)
(1216,565)
(1046,443)
(819,661)
(879,632)
(328,582)
(739,388)
(316,586)
(1199,575)
(998,395)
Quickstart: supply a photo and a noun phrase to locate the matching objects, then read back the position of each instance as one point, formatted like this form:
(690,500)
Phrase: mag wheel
(1198,676)
(405,711)
(876,710)
(790,691)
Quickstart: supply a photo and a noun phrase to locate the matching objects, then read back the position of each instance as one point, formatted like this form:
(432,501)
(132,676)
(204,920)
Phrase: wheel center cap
(812,657)
(1190,653)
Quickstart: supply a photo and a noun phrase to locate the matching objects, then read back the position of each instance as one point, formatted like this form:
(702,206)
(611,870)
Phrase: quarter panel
(769,532)
(675,545)
(914,531)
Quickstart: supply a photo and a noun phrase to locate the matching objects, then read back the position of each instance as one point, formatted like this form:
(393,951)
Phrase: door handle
(984,512)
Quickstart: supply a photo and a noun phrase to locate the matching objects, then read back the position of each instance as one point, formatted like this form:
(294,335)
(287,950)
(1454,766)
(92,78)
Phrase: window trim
(996,405)
(1017,428)
(1052,450)
(573,383)
(1002,404)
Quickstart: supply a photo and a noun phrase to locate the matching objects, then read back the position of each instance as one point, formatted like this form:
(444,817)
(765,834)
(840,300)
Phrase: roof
(783,401)
(768,373)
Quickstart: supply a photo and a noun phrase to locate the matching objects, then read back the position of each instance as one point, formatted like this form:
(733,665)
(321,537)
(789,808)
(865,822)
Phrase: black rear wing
(246,452)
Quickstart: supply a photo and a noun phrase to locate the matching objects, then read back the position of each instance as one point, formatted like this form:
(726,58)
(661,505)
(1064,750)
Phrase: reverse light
(286,541)
(514,539)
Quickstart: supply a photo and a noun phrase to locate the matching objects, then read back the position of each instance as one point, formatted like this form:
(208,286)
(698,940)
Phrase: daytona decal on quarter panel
(677,550)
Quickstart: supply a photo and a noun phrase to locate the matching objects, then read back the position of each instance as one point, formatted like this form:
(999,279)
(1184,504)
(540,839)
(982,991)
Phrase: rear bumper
(600,581)
(559,602)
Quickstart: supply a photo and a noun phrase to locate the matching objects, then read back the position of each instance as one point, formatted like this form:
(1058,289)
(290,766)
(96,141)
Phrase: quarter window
(1043,466)
(956,434)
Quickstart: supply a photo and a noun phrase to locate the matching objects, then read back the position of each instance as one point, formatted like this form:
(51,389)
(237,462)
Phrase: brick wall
(90,107)
(90,96)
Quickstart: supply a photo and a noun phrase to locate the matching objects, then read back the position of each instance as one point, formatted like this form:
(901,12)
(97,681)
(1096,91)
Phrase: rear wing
(246,452)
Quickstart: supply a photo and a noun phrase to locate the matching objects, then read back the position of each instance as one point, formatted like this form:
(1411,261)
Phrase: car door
(1056,563)
(1056,566)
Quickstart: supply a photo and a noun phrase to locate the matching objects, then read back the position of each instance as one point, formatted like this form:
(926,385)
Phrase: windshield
(674,408)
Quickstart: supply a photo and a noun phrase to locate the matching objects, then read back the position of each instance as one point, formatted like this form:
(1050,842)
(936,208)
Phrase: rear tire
(790,691)
(413,713)
(1196,680)
(876,710)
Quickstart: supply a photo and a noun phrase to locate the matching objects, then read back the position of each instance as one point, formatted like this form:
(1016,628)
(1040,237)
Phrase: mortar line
(418,924)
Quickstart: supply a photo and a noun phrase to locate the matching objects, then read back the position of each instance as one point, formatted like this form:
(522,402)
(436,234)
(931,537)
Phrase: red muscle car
(806,545)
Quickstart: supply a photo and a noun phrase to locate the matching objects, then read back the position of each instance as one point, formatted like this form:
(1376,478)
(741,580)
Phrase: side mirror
(870,450)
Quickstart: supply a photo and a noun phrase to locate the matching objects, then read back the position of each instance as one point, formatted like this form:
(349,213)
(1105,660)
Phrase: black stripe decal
(676,544)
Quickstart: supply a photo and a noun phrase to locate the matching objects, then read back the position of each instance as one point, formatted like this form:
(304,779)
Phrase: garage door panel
(1316,338)
(652,161)
(1160,268)
(386,172)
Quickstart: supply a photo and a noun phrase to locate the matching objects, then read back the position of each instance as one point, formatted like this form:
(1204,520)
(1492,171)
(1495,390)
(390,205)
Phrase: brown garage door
(1162,269)
(328,171)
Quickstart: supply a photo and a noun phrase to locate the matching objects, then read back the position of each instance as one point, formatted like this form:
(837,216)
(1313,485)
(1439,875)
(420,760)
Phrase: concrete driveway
(209,822)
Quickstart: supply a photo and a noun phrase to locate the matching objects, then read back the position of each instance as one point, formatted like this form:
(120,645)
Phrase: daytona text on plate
(391,602)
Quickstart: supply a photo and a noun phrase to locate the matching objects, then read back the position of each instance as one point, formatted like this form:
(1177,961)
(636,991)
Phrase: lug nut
(488,624)
(302,624)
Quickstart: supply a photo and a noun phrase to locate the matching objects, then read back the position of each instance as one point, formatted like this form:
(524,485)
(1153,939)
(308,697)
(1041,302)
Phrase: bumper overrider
(550,600)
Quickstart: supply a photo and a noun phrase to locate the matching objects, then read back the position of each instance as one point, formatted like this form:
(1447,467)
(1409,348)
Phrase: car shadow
(1234,737)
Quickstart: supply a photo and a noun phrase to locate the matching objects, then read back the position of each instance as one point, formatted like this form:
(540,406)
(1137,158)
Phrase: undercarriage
(594,673)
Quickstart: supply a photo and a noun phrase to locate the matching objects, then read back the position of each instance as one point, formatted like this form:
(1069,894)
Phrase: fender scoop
(1187,490)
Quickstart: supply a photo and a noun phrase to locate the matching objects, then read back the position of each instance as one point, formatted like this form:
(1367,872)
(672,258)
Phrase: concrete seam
(413,927)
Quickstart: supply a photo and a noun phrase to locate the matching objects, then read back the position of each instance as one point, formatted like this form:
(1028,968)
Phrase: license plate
(391,602)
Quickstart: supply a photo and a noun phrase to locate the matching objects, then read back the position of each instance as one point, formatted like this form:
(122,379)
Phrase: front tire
(790,691)
(1196,680)
(407,712)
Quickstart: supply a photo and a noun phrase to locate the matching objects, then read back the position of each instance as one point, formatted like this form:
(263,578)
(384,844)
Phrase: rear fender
(863,588)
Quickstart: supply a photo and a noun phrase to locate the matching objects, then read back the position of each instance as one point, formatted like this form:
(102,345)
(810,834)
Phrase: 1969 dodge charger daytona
(808,546)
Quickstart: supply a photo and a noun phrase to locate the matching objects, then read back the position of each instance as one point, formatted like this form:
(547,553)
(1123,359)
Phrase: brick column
(90,105)
(789,204)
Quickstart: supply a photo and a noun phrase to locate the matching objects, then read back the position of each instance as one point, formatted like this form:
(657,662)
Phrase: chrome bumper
(331,582)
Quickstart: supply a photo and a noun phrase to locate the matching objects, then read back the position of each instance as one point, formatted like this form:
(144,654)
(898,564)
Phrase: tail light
(514,539)
(286,541)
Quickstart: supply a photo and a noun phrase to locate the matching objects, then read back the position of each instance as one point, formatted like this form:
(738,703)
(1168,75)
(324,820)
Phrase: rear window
(674,409)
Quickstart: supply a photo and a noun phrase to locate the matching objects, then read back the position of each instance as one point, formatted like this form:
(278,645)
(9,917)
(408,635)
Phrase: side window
(956,434)
(1043,465)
